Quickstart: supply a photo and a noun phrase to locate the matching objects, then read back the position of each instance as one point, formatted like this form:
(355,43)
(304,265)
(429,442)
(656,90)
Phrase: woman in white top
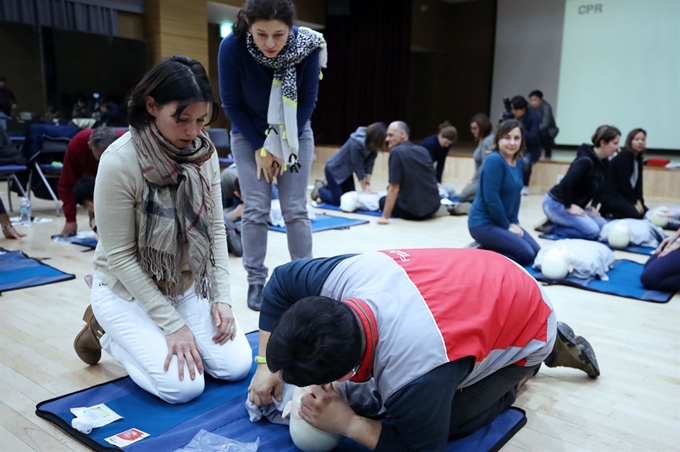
(160,302)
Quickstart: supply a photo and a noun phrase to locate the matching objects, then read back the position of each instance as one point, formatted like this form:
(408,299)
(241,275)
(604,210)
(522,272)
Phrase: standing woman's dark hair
(254,10)
(503,129)
(484,124)
(173,79)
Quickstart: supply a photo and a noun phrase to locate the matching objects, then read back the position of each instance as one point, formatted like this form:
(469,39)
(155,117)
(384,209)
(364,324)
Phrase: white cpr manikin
(619,237)
(660,216)
(556,264)
(305,437)
(349,202)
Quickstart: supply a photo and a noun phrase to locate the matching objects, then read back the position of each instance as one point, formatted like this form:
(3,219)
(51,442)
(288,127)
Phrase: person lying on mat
(7,228)
(356,156)
(622,196)
(81,159)
(662,270)
(570,205)
(447,341)
(494,216)
(160,300)
(83,193)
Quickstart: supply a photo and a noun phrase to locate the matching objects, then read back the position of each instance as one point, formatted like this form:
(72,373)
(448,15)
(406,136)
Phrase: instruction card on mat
(126,438)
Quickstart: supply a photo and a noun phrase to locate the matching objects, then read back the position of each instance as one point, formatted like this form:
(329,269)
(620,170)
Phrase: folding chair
(220,138)
(48,164)
(9,172)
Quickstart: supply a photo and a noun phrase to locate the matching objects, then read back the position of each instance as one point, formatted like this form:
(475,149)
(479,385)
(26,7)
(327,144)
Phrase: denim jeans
(530,158)
(257,196)
(333,191)
(522,250)
(571,226)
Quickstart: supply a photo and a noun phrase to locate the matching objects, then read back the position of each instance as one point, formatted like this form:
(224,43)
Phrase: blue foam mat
(18,271)
(624,281)
(220,409)
(325,223)
(88,242)
(646,250)
(373,213)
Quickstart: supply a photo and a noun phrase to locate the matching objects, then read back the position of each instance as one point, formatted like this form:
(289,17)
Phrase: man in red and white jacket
(447,335)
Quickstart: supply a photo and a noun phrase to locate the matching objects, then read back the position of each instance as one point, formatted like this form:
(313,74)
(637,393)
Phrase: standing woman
(481,128)
(570,205)
(622,197)
(438,146)
(160,294)
(356,156)
(269,78)
(493,220)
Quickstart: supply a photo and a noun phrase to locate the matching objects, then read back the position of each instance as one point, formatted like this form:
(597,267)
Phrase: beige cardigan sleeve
(117,200)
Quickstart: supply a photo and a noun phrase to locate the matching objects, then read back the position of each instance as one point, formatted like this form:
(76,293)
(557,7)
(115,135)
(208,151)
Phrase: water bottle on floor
(25,212)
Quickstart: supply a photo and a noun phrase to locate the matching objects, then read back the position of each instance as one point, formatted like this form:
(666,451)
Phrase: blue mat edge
(67,276)
(532,271)
(96,446)
(355,222)
(372,213)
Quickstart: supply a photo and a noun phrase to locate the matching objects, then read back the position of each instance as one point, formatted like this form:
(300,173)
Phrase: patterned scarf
(176,210)
(282,134)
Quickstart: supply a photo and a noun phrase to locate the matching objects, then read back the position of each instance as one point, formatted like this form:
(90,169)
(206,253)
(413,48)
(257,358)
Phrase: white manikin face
(619,237)
(349,202)
(659,217)
(304,436)
(555,264)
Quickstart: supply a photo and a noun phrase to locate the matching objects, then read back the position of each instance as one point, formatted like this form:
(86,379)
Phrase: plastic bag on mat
(205,441)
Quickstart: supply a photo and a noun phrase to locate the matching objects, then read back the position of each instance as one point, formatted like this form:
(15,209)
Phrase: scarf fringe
(163,267)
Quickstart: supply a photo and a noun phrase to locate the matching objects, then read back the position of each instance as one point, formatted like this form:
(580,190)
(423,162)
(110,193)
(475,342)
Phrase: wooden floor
(634,406)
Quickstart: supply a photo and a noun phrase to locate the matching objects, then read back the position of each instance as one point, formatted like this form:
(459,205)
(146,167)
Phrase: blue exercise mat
(18,271)
(646,250)
(373,213)
(88,242)
(624,281)
(220,410)
(325,223)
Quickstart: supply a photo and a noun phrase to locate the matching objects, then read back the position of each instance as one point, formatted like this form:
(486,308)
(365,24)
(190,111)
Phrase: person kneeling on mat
(446,341)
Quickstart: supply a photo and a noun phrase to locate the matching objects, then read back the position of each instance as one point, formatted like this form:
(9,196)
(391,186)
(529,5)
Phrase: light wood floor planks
(634,406)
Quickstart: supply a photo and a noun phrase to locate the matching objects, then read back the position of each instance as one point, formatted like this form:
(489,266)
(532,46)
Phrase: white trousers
(134,340)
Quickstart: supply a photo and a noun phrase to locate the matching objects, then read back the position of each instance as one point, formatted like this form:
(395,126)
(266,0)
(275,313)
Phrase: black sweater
(617,180)
(584,181)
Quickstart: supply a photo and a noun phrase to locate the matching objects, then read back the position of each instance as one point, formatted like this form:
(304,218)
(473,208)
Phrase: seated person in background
(622,196)
(530,122)
(81,159)
(356,156)
(111,115)
(81,109)
(447,335)
(233,209)
(482,131)
(439,144)
(493,220)
(569,204)
(7,228)
(52,116)
(412,193)
(83,194)
(662,270)
(547,129)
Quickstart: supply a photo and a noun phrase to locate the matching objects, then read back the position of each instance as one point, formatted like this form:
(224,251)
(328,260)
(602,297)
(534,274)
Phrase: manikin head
(619,236)
(555,264)
(306,437)
(659,216)
(349,202)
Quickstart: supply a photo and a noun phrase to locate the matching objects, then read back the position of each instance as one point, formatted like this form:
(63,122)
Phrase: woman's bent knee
(174,390)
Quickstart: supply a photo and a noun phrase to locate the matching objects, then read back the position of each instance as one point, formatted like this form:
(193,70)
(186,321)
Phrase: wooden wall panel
(131,25)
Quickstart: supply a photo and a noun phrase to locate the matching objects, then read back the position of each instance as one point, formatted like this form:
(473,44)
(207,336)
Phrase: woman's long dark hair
(254,10)
(173,79)
(629,139)
(484,124)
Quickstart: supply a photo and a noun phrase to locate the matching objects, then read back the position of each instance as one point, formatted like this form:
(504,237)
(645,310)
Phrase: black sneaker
(255,296)
(544,226)
(573,351)
(234,244)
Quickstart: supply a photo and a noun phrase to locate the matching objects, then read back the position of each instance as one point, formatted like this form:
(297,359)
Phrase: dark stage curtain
(63,14)
(368,74)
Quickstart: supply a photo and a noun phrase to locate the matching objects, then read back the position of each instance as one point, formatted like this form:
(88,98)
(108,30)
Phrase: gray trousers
(257,196)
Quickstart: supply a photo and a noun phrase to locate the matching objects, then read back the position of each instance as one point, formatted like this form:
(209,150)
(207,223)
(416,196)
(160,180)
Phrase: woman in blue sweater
(269,79)
(493,220)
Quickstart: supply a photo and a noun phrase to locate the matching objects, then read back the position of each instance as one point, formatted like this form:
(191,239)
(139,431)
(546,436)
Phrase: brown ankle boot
(86,344)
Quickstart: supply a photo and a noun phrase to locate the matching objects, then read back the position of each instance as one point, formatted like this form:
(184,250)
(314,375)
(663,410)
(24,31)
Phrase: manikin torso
(305,437)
